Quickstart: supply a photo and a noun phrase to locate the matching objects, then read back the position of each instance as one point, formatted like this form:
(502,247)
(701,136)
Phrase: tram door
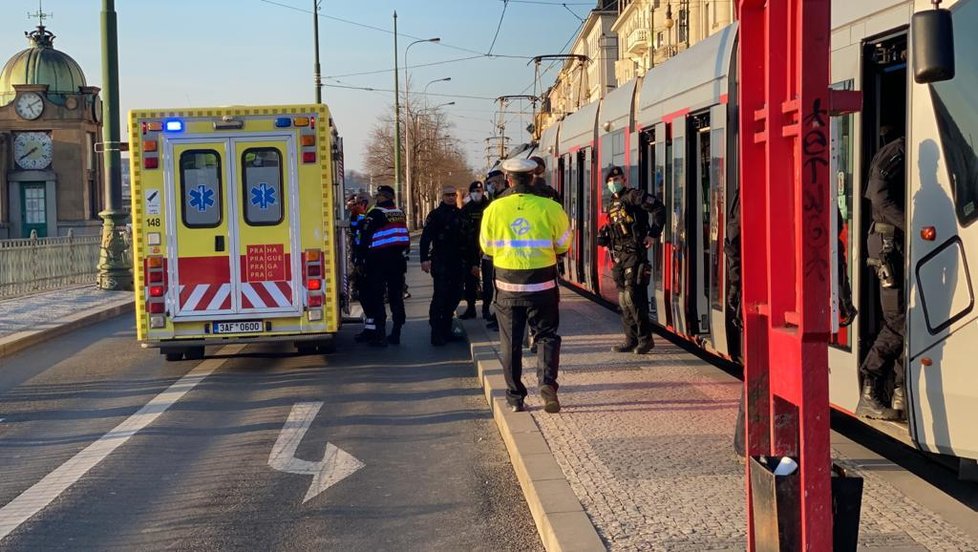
(588,266)
(662,269)
(652,182)
(700,252)
(679,238)
(717,230)
(572,194)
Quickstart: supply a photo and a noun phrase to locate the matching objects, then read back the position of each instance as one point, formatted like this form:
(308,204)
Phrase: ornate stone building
(50,121)
(623,39)
(651,31)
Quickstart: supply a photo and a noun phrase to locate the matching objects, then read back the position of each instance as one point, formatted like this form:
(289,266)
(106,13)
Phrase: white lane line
(36,498)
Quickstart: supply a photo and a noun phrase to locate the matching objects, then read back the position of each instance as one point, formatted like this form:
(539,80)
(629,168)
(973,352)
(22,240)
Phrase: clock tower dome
(50,120)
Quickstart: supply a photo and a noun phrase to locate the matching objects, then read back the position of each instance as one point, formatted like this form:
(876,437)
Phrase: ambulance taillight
(156,291)
(313,271)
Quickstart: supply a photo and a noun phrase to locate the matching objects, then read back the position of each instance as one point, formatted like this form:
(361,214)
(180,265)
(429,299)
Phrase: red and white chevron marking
(260,295)
(205,297)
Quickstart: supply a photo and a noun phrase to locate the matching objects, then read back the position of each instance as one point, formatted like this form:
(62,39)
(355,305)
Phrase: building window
(682,29)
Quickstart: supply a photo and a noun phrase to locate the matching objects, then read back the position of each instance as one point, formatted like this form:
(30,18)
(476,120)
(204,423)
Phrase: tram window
(263,191)
(200,187)
(718,166)
(664,167)
(956,106)
(679,181)
(618,160)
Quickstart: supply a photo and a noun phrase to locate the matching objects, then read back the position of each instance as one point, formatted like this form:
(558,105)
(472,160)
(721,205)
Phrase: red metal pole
(785,206)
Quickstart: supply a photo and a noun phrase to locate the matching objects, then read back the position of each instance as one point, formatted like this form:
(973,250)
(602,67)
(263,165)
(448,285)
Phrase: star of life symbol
(520,226)
(263,195)
(201,198)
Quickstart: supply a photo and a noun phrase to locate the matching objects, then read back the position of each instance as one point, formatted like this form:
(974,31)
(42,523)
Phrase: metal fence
(37,264)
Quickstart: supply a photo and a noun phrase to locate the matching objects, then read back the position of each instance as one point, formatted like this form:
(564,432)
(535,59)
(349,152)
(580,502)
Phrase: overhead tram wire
(388,31)
(371,89)
(391,70)
(498,26)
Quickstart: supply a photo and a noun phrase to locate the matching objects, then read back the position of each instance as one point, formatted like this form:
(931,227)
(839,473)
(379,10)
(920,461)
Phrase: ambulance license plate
(239,326)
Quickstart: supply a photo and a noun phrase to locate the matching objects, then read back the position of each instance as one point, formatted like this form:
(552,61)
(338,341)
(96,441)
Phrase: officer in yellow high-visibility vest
(524,233)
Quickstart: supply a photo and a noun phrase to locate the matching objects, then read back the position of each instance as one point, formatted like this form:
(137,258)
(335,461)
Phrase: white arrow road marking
(37,498)
(335,466)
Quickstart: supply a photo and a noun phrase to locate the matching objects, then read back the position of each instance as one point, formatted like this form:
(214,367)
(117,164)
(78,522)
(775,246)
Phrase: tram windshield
(956,105)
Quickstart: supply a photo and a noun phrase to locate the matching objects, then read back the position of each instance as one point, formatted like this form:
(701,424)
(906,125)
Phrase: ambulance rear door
(202,268)
(267,247)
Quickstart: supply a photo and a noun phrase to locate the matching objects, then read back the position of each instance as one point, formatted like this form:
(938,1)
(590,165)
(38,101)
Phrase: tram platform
(640,457)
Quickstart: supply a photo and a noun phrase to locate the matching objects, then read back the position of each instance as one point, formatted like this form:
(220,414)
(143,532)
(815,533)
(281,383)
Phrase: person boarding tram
(885,190)
(524,233)
(635,221)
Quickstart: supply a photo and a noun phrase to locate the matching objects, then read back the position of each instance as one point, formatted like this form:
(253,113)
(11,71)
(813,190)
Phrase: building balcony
(637,42)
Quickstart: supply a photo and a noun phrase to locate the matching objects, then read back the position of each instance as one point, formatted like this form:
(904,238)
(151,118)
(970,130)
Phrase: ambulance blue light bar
(283,122)
(173,125)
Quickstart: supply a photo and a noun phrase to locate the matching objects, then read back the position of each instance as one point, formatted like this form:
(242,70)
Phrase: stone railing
(35,264)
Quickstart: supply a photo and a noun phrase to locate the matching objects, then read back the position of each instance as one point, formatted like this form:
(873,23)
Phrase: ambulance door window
(200,188)
(263,197)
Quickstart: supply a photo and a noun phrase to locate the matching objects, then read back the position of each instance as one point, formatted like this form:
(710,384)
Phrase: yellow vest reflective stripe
(526,288)
(523,231)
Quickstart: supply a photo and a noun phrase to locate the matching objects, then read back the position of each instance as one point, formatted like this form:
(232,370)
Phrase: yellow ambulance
(234,215)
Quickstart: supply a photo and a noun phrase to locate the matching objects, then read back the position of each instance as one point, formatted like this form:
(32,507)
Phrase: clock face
(29,105)
(32,150)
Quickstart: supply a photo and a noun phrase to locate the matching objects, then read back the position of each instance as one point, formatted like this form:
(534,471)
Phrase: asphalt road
(196,476)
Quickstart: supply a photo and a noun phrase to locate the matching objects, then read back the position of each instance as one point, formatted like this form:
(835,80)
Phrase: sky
(201,53)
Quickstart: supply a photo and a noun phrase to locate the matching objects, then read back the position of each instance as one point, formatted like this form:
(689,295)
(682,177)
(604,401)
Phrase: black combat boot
(378,339)
(469,312)
(898,401)
(395,337)
(625,347)
(869,404)
(644,345)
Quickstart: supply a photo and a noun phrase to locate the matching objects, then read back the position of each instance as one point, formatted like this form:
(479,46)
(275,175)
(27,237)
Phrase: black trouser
(887,349)
(633,297)
(541,311)
(472,286)
(449,280)
(384,274)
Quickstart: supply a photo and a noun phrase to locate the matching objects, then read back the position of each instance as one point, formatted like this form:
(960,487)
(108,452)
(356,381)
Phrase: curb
(19,341)
(561,521)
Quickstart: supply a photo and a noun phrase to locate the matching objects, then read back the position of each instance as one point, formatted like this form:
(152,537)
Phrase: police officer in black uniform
(540,186)
(472,211)
(384,239)
(635,221)
(886,190)
(446,255)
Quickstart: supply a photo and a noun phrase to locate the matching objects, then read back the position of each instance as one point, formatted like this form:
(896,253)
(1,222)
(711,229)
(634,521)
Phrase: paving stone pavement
(645,443)
(40,311)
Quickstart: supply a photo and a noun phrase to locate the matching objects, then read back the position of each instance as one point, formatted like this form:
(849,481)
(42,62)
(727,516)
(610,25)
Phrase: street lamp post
(397,119)
(114,266)
(407,105)
(316,75)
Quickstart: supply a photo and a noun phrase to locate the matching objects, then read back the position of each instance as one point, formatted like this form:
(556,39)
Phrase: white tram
(674,131)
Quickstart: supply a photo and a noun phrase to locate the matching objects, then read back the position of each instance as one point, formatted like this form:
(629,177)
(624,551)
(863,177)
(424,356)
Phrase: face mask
(615,186)
(476,196)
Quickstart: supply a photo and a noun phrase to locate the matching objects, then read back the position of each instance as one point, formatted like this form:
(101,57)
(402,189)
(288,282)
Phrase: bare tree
(436,157)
